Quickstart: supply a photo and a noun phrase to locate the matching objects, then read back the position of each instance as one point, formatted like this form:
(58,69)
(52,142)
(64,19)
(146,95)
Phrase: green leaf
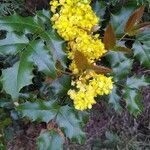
(16,77)
(99,8)
(70,122)
(26,24)
(133,100)
(67,119)
(114,99)
(136,82)
(50,140)
(119,19)
(61,85)
(40,110)
(36,25)
(13,43)
(120,64)
(20,75)
(141,48)
(42,58)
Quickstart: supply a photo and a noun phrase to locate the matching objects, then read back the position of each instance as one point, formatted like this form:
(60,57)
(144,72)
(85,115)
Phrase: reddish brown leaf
(101,69)
(134,19)
(109,38)
(81,61)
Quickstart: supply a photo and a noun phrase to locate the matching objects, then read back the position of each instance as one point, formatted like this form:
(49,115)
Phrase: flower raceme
(74,21)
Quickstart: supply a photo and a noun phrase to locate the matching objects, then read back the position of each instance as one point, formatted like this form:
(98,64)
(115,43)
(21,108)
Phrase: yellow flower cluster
(88,86)
(75,21)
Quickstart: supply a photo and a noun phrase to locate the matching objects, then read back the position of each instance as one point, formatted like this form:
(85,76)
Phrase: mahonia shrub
(56,64)
(74,22)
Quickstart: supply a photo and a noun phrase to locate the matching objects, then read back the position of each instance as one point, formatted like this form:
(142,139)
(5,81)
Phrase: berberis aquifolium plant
(57,63)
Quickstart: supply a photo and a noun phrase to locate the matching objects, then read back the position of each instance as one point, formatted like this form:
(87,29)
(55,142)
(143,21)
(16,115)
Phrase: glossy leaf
(133,20)
(141,48)
(114,99)
(101,69)
(137,82)
(109,38)
(16,77)
(13,43)
(40,110)
(61,85)
(70,122)
(119,19)
(133,100)
(81,61)
(67,119)
(120,64)
(99,8)
(50,140)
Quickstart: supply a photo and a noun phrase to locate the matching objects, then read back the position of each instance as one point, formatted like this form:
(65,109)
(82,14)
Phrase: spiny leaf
(120,64)
(114,99)
(61,85)
(20,75)
(42,57)
(13,43)
(50,140)
(99,8)
(66,117)
(136,82)
(36,26)
(133,20)
(133,101)
(40,110)
(109,38)
(70,122)
(141,48)
(119,19)
(16,77)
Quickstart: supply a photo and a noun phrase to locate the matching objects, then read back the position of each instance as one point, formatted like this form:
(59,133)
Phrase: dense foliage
(36,73)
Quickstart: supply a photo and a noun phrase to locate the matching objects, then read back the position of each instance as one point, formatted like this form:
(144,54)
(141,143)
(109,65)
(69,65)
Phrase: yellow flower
(75,21)
(88,86)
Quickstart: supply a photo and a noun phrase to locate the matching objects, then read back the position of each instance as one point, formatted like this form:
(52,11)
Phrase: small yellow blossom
(75,22)
(89,86)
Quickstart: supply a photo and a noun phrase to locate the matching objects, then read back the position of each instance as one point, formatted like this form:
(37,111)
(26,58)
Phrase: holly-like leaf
(40,110)
(120,64)
(109,38)
(114,99)
(61,85)
(119,19)
(99,8)
(70,122)
(133,100)
(141,48)
(20,75)
(50,140)
(133,20)
(16,77)
(13,43)
(35,25)
(67,119)
(137,82)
